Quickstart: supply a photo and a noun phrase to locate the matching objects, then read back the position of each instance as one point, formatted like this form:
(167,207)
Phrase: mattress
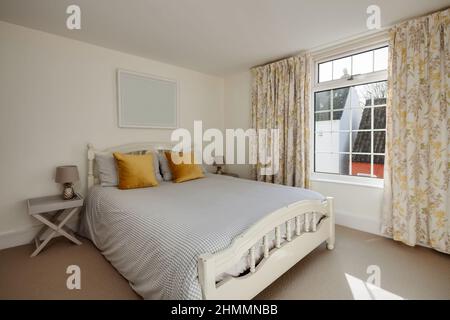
(154,236)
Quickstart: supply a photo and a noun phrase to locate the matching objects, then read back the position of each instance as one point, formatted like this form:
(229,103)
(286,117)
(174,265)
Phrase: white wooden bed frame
(276,261)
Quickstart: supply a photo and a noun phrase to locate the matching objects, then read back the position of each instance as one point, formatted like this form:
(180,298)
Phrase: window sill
(349,180)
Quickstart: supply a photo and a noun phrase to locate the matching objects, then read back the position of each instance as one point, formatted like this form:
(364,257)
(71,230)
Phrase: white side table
(229,174)
(40,208)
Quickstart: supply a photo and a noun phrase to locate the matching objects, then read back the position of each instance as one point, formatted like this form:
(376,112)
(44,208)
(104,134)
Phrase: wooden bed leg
(206,275)
(331,239)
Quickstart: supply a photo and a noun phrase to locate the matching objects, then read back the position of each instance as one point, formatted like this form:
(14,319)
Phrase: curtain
(416,200)
(280,100)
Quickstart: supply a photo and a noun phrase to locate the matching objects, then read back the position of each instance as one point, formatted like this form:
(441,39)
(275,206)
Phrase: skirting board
(26,235)
(361,223)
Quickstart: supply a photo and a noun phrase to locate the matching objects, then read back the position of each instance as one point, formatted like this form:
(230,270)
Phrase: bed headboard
(92,177)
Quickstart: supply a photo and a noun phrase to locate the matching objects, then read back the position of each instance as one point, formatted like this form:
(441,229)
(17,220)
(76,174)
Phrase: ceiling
(218,37)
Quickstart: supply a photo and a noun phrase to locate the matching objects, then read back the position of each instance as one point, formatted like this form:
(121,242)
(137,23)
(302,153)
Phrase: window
(361,63)
(350,114)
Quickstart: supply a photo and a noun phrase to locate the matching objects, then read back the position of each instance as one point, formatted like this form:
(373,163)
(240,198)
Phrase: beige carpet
(411,273)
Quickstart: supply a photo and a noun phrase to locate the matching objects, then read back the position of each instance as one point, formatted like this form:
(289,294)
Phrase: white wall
(357,207)
(238,111)
(56,95)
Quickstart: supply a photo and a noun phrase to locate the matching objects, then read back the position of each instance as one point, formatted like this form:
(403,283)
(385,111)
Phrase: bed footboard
(276,261)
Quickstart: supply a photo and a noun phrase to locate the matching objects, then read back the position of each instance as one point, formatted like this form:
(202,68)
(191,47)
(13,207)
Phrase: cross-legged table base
(57,227)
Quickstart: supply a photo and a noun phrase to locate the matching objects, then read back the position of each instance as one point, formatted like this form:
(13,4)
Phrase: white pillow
(156,165)
(164,166)
(106,168)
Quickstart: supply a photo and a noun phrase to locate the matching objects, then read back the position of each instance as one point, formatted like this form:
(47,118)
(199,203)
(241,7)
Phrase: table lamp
(218,163)
(67,175)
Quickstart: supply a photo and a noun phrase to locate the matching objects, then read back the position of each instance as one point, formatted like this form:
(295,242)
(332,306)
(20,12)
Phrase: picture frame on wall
(147,101)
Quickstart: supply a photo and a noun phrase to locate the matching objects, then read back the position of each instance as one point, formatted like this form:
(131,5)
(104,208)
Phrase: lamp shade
(66,174)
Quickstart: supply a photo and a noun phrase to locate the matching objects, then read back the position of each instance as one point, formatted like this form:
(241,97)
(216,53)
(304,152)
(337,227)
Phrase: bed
(218,237)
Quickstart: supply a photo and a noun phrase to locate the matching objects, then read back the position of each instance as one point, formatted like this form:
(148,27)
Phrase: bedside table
(40,209)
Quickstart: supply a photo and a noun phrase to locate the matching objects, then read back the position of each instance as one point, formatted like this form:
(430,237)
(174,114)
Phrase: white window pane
(327,162)
(333,142)
(332,163)
(380,59)
(341,120)
(362,63)
(341,141)
(342,68)
(323,100)
(325,71)
(344,120)
(324,142)
(323,122)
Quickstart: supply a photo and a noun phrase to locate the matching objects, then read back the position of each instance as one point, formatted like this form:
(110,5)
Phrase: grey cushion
(156,166)
(164,166)
(107,170)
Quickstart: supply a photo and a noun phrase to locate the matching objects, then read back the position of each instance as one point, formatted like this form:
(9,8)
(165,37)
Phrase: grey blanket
(153,236)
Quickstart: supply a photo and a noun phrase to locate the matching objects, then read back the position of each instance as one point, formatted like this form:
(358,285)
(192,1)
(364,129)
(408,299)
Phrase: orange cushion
(135,171)
(184,171)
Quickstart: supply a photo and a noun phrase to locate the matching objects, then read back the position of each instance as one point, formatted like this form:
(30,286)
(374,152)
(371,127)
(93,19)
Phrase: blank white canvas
(146,101)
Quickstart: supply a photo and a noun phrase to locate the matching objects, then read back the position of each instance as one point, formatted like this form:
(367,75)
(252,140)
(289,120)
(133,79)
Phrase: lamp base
(219,170)
(68,192)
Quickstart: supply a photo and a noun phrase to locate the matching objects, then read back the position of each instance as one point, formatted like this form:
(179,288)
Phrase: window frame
(338,52)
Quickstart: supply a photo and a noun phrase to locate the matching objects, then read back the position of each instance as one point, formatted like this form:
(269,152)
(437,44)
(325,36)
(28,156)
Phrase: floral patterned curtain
(280,100)
(417,198)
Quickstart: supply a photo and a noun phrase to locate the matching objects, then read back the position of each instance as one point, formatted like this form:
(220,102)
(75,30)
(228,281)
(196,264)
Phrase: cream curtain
(280,100)
(417,205)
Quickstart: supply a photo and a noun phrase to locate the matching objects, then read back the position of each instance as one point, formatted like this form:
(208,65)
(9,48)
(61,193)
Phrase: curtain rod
(279,59)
